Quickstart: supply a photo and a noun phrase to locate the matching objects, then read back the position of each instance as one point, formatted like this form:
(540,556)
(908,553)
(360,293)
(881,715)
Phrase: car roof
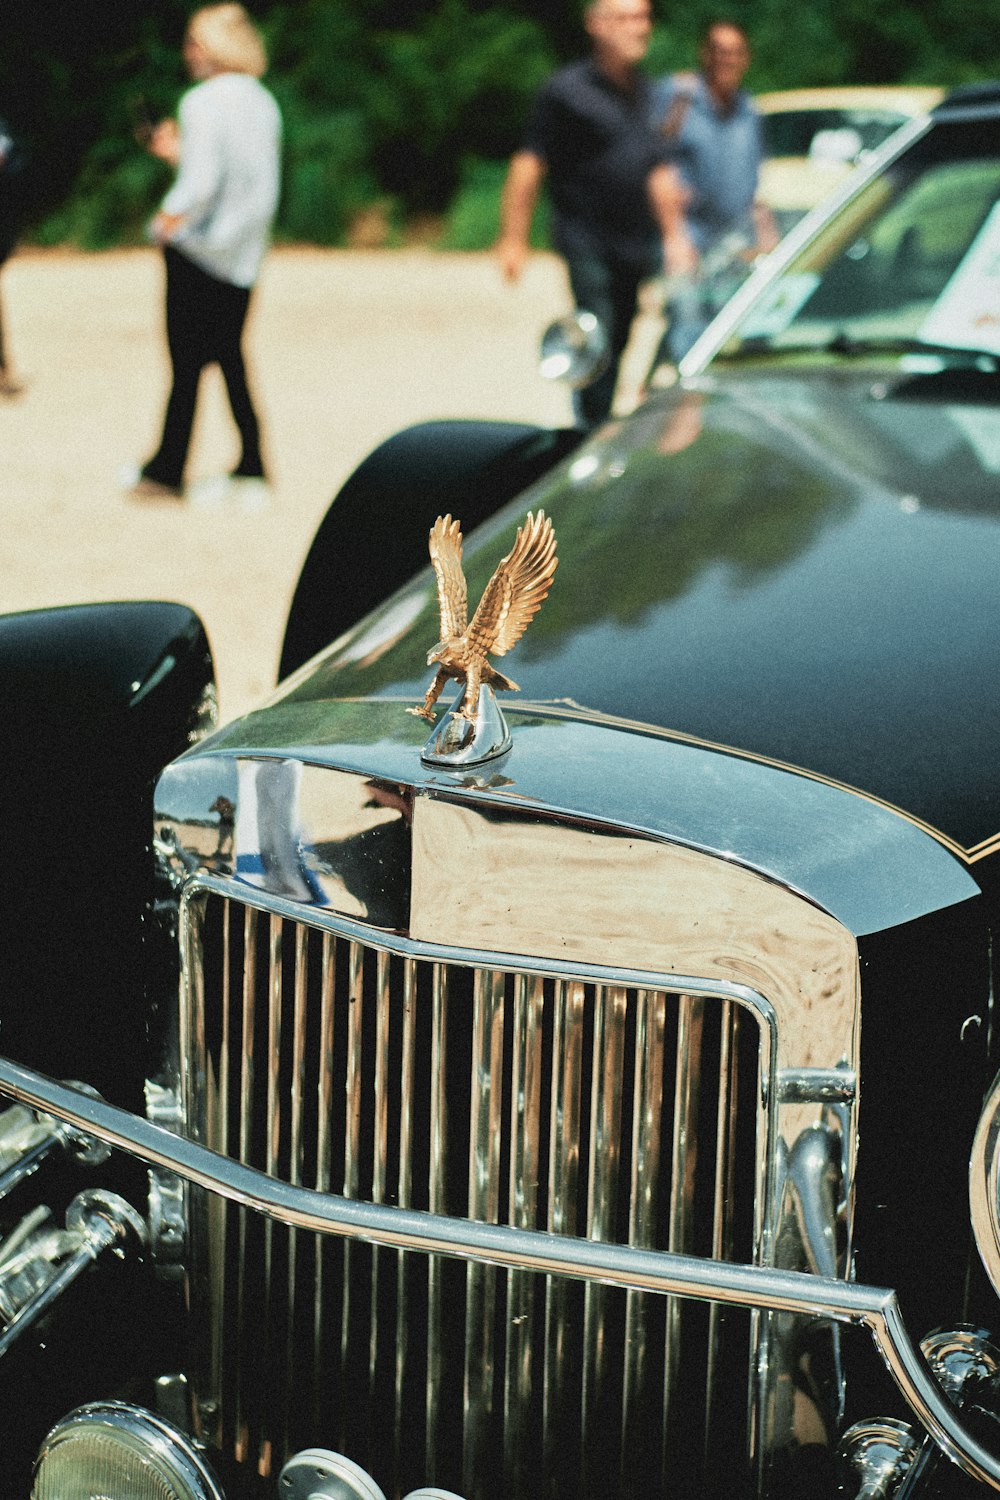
(906,99)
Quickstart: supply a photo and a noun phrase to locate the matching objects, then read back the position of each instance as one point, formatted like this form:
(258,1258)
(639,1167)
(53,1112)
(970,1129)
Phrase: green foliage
(473,218)
(113,200)
(458,85)
(415,104)
(326,179)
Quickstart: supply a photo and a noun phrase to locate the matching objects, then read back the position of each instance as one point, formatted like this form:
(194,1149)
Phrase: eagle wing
(446,556)
(515,593)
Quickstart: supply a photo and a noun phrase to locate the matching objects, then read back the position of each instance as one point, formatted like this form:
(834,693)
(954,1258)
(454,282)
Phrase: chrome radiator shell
(583,1108)
(480,885)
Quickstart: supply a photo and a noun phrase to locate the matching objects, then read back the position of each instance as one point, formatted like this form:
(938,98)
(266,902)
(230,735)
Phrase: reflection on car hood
(801,566)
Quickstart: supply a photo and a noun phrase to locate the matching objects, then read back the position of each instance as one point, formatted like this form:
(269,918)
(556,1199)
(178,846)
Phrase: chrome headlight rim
(138,1431)
(984,1185)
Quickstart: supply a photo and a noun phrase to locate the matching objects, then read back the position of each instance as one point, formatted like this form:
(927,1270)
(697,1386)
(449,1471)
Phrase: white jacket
(228,177)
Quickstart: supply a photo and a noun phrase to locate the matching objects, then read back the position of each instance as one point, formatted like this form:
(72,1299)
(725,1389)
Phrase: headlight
(112,1451)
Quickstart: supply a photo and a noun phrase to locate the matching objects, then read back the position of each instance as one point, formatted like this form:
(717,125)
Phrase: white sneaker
(230,492)
(209,494)
(251,495)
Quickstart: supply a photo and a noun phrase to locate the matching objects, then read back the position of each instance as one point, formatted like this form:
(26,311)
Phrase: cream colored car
(813,137)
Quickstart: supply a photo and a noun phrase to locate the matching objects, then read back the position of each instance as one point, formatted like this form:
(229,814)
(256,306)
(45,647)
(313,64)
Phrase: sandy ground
(346,348)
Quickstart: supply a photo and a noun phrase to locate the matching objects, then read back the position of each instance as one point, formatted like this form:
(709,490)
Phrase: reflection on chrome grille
(618,1114)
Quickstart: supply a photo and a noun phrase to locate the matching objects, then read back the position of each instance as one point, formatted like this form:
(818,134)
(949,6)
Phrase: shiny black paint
(97,699)
(798,563)
(925,1064)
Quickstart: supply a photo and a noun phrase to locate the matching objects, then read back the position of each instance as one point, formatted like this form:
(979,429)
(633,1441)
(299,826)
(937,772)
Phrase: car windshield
(911,264)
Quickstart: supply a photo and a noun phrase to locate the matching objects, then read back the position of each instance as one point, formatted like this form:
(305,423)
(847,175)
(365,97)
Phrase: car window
(793,132)
(900,262)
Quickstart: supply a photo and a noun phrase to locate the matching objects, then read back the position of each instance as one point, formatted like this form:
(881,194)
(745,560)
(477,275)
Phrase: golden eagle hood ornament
(473,729)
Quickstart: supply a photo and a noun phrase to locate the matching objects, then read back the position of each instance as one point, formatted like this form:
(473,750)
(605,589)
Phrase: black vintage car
(592,1095)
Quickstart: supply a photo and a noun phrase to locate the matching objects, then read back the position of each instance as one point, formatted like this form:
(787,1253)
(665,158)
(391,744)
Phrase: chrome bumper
(661,1272)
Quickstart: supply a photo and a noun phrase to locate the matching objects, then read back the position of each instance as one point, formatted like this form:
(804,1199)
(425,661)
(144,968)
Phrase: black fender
(374,535)
(96,700)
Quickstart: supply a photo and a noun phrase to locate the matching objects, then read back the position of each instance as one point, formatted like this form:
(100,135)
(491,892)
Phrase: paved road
(347,347)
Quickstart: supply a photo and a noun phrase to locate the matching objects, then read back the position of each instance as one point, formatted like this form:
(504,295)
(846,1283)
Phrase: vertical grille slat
(564,1140)
(650,1041)
(690,1028)
(486,1113)
(526,1102)
(248,1030)
(352,1069)
(610,1008)
(298,1086)
(326,1062)
(381,1115)
(684,1167)
(407,1099)
(438,1191)
(583,1109)
(644,1203)
(486,1096)
(605,1111)
(275,1020)
(722,1220)
(723,1228)
(225,1051)
(248,989)
(437,1195)
(325,1070)
(525,1169)
(561,1215)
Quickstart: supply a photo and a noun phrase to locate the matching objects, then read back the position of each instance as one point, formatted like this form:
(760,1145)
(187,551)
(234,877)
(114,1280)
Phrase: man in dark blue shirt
(591,136)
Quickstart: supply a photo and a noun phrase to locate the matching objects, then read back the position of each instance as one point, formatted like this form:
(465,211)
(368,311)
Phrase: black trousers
(205,318)
(610,291)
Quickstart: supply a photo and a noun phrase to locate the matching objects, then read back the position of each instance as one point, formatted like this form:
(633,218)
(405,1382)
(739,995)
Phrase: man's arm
(517,205)
(765,228)
(668,197)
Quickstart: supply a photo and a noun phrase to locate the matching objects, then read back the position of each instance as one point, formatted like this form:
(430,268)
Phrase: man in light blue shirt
(712,130)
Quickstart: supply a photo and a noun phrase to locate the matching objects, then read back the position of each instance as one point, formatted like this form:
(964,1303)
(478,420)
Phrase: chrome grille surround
(545,1104)
(620,1070)
(593,906)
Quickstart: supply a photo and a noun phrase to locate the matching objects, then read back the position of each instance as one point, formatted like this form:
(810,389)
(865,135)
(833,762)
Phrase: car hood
(801,566)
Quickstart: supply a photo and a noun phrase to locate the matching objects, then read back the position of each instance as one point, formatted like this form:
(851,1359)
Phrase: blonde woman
(214,226)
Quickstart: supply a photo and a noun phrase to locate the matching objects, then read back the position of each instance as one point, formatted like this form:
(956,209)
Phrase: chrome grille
(619,1114)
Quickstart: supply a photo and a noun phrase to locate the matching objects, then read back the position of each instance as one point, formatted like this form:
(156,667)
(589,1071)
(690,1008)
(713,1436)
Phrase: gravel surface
(346,348)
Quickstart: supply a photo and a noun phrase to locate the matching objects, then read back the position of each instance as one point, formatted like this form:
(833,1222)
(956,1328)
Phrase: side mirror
(574,350)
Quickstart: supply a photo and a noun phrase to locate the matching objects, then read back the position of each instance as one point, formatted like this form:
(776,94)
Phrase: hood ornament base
(460,740)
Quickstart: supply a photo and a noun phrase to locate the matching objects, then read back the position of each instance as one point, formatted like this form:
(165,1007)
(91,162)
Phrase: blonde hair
(229,39)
